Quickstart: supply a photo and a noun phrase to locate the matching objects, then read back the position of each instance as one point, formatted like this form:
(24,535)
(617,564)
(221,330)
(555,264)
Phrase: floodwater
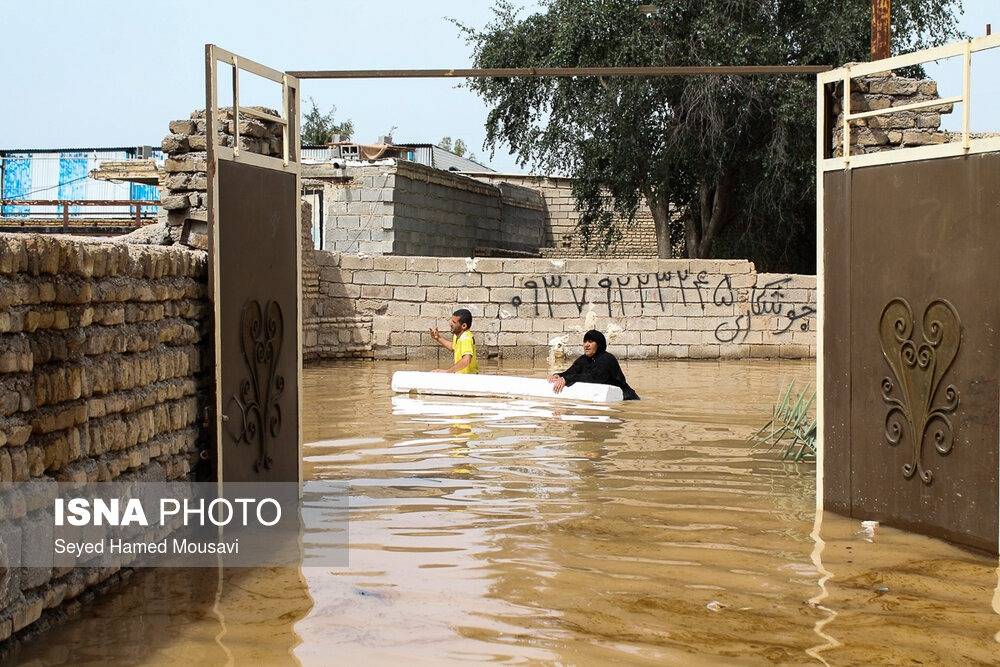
(481,530)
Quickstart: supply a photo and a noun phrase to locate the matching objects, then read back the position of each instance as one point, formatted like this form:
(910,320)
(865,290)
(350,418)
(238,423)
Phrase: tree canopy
(318,128)
(459,147)
(725,163)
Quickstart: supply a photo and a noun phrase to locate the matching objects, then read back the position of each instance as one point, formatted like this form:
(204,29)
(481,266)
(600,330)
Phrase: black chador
(602,368)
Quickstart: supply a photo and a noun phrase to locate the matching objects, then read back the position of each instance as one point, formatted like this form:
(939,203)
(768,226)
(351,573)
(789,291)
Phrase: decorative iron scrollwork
(918,367)
(257,402)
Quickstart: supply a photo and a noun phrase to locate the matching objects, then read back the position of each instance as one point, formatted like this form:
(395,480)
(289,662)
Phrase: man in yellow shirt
(462,344)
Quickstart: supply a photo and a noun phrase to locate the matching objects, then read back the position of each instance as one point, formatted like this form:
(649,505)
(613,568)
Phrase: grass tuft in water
(792,427)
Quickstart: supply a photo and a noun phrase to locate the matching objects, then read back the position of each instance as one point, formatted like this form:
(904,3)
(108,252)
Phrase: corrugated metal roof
(446,160)
(422,154)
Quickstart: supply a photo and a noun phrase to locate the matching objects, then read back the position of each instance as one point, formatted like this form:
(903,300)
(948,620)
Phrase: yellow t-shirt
(464,345)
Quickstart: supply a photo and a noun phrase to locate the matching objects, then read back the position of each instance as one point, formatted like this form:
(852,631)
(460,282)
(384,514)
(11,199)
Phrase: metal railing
(846,74)
(135,209)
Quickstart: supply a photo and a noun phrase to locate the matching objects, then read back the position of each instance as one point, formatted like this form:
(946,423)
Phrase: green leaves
(318,128)
(743,143)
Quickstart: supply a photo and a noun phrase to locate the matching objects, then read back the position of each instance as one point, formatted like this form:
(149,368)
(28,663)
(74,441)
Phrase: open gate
(255,267)
(909,357)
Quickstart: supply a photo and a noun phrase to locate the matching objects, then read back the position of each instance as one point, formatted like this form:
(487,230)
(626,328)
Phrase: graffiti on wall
(765,300)
(651,292)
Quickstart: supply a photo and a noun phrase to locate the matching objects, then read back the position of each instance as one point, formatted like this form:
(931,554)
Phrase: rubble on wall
(183,191)
(158,233)
(918,127)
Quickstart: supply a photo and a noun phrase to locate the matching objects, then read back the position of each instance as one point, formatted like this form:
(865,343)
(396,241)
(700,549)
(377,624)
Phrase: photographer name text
(175,546)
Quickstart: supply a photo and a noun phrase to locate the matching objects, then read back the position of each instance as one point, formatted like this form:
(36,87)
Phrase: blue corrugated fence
(16,183)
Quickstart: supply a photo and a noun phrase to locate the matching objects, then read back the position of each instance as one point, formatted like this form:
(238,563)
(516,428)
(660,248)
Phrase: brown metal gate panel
(837,343)
(258,323)
(911,397)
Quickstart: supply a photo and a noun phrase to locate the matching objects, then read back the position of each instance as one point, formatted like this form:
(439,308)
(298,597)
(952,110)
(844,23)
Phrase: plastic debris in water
(714,605)
(869,530)
(881,590)
(368,593)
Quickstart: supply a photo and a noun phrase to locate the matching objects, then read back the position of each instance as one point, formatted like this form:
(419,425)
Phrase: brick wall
(381,307)
(563,239)
(404,208)
(359,210)
(101,363)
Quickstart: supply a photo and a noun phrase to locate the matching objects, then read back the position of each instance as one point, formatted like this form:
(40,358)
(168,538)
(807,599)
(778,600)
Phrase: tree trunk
(702,229)
(661,221)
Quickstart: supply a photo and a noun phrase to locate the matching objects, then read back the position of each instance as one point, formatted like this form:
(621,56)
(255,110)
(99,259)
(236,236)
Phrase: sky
(114,72)
(985,106)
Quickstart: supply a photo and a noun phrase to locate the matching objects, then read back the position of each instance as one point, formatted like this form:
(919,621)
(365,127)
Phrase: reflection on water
(181,616)
(643,532)
(828,642)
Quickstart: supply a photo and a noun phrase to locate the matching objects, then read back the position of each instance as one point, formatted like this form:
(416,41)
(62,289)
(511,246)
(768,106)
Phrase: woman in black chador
(595,365)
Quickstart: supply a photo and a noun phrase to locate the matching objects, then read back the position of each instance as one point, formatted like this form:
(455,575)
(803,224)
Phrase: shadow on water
(182,616)
(644,532)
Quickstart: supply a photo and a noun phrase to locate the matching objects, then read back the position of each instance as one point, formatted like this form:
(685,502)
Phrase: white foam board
(457,384)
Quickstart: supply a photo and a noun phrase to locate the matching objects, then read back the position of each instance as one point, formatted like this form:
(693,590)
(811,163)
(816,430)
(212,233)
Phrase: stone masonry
(102,374)
(327,333)
(183,191)
(902,129)
(381,307)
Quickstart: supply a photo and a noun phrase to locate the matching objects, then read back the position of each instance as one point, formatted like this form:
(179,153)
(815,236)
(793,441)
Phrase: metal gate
(910,351)
(255,268)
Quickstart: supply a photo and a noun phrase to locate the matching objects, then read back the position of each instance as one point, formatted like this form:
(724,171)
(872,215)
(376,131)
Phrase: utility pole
(881,28)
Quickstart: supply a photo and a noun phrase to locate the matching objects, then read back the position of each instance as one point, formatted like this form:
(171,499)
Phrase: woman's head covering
(596,336)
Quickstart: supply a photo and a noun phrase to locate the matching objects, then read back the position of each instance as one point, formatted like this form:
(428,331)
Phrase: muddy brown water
(483,530)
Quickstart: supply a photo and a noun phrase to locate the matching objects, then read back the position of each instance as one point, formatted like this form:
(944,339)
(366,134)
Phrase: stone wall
(381,307)
(919,127)
(404,208)
(563,239)
(101,366)
(183,190)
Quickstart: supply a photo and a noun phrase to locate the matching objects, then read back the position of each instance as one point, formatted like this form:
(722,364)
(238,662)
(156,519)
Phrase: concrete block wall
(522,222)
(404,208)
(359,210)
(102,367)
(437,213)
(562,238)
(527,308)
(329,332)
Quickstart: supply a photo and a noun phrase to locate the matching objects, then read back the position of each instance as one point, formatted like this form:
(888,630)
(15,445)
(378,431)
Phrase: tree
(732,154)
(318,128)
(459,148)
